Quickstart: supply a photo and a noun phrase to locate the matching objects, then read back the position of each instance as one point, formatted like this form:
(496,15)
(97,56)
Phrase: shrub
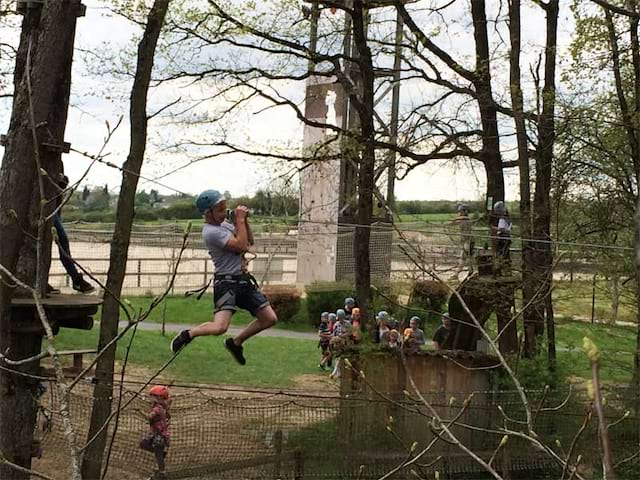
(326,297)
(284,300)
(430,293)
(383,299)
(427,298)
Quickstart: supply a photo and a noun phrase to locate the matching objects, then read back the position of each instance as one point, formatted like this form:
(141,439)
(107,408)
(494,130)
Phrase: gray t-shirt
(215,238)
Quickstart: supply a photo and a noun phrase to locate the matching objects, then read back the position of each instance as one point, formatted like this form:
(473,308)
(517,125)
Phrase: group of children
(342,328)
(387,333)
(336,331)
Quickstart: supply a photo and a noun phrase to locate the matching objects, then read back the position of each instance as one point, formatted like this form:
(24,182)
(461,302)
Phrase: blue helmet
(340,313)
(499,207)
(349,301)
(208,199)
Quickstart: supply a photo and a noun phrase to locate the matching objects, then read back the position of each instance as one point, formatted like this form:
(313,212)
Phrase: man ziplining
(233,286)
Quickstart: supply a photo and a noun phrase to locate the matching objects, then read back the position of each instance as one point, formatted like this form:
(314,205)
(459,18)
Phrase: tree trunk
(636,354)
(103,390)
(615,297)
(47,38)
(528,282)
(635,151)
(490,153)
(366,181)
(541,253)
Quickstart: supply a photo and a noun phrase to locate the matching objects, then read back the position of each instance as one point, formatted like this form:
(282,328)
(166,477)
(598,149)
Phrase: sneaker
(180,341)
(235,350)
(51,289)
(82,286)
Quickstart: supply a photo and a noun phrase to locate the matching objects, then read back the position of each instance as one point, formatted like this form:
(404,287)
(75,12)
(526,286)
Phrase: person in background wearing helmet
(339,340)
(413,336)
(233,287)
(464,223)
(381,333)
(157,440)
(325,337)
(395,341)
(349,305)
(502,236)
(77,280)
(442,333)
(332,323)
(356,322)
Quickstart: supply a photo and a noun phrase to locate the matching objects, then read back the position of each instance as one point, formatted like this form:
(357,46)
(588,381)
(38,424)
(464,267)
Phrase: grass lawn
(574,300)
(276,362)
(616,343)
(188,310)
(427,217)
(271,362)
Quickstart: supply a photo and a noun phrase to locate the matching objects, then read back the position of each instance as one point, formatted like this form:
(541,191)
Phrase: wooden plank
(192,472)
(60,300)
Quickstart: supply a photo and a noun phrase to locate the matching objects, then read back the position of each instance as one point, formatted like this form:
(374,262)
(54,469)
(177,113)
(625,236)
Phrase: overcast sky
(93,105)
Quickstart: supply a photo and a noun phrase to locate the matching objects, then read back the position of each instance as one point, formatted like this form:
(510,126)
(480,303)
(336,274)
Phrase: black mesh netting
(292,436)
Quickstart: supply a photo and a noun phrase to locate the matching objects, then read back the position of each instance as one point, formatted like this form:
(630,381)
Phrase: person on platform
(442,333)
(78,282)
(467,242)
(501,234)
(414,336)
(324,338)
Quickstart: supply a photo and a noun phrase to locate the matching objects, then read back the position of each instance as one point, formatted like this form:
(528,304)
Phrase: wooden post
(173,266)
(298,468)
(139,272)
(206,263)
(77,362)
(571,260)
(593,298)
(278,446)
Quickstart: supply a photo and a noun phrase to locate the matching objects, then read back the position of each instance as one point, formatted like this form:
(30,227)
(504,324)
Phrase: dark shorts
(235,294)
(324,345)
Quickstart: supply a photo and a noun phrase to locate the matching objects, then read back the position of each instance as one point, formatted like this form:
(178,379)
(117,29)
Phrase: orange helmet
(159,391)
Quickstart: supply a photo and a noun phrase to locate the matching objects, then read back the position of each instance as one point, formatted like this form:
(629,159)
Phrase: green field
(276,362)
(279,221)
(271,362)
(188,310)
(427,217)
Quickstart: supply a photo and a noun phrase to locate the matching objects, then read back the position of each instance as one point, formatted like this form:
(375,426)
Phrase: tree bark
(541,252)
(490,154)
(103,390)
(366,182)
(528,279)
(636,354)
(47,38)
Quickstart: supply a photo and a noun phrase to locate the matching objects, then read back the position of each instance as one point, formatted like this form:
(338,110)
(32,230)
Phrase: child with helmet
(157,439)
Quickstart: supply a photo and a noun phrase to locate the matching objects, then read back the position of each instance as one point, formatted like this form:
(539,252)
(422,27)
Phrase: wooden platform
(63,311)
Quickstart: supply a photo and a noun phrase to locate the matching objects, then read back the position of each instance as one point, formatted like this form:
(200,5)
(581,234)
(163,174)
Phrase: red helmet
(159,391)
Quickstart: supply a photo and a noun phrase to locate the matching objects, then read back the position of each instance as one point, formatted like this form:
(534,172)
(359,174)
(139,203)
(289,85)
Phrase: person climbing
(467,242)
(78,282)
(233,287)
(157,439)
(502,237)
